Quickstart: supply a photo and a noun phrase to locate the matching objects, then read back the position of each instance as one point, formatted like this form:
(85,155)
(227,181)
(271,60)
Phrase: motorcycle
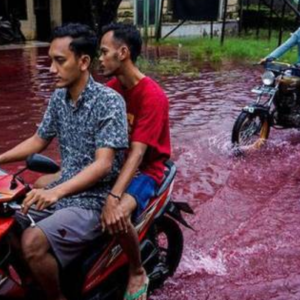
(101,272)
(10,31)
(277,105)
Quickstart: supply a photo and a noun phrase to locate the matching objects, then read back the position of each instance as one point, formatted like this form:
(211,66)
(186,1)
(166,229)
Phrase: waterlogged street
(246,243)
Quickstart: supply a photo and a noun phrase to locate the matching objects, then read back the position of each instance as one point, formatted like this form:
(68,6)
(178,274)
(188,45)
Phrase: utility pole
(224,21)
(281,23)
(241,2)
(257,21)
(270,19)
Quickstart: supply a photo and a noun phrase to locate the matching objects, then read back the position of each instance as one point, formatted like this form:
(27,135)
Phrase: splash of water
(197,262)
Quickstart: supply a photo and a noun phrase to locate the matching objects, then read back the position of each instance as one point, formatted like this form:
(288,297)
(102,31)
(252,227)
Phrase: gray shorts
(68,230)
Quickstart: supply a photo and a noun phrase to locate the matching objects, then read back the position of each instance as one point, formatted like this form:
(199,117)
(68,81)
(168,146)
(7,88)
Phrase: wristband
(115,196)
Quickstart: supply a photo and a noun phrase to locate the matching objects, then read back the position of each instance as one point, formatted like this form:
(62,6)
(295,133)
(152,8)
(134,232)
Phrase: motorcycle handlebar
(19,207)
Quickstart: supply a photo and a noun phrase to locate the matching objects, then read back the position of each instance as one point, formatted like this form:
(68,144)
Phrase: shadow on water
(247,240)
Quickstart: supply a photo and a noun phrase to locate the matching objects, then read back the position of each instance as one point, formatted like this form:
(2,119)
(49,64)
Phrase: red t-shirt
(148,123)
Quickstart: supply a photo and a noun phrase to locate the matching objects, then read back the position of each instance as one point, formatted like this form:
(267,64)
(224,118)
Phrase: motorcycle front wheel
(250,130)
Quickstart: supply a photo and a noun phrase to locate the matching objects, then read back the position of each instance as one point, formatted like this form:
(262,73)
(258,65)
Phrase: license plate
(264,90)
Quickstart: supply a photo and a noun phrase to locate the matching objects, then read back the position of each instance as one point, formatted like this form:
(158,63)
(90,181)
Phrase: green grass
(166,66)
(247,48)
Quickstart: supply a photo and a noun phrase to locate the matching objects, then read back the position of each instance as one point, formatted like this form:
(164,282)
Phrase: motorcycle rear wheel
(250,130)
(167,236)
(169,240)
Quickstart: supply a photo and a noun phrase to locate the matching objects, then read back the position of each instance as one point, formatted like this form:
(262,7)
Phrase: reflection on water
(246,242)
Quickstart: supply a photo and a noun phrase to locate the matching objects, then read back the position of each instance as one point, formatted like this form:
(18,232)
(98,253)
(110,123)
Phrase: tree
(103,12)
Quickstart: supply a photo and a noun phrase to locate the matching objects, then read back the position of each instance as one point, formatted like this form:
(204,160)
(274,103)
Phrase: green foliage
(166,66)
(245,48)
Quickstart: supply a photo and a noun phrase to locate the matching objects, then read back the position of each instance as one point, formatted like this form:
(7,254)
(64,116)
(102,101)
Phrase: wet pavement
(246,243)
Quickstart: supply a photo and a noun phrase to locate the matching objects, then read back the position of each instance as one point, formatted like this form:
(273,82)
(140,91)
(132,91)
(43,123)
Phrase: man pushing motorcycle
(89,121)
(143,171)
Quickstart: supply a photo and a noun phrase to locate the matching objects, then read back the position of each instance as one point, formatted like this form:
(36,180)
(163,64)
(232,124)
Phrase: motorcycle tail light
(268,78)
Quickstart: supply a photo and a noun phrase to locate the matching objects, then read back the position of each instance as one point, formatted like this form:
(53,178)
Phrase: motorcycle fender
(174,210)
(5,225)
(254,109)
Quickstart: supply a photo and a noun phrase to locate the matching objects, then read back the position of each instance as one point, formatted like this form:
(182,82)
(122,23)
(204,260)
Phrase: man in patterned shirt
(89,121)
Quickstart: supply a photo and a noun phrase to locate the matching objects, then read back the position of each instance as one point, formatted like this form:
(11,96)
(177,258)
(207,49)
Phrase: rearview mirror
(40,163)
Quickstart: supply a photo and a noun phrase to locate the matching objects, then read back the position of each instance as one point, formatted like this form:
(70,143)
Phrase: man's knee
(34,243)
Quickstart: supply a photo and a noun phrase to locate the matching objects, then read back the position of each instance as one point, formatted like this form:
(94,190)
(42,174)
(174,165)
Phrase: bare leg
(130,245)
(18,257)
(42,264)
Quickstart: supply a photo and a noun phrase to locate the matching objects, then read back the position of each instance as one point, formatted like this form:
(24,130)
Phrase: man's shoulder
(57,96)
(153,92)
(152,87)
(106,97)
(104,92)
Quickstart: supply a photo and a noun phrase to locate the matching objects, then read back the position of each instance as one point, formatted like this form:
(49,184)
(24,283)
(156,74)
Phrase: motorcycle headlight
(268,78)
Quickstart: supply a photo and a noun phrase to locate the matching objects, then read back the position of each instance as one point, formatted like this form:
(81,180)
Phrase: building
(39,17)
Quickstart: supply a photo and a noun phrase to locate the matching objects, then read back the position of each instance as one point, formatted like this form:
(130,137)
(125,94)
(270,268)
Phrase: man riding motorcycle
(143,170)
(89,121)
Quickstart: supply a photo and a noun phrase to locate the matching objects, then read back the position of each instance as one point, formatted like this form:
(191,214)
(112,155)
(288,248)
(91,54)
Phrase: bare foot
(137,286)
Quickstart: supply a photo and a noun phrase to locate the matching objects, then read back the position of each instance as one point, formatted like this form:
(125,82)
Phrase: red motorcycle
(101,272)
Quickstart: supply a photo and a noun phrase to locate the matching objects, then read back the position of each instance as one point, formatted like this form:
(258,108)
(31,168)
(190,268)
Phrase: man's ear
(124,53)
(85,62)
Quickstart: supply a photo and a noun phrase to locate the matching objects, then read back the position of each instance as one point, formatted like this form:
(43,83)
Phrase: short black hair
(84,38)
(127,34)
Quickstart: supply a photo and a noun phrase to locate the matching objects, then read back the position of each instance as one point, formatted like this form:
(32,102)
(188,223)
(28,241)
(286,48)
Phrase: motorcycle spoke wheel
(162,241)
(169,240)
(250,131)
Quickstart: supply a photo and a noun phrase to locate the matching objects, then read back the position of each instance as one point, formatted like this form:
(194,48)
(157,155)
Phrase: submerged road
(246,243)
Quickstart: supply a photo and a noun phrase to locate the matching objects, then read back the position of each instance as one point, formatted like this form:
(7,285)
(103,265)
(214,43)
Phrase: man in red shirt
(148,120)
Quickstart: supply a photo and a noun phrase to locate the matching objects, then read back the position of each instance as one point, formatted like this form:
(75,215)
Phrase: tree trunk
(107,12)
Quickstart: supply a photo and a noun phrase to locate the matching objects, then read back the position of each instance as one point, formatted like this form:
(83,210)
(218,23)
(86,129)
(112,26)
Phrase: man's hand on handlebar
(265,60)
(41,198)
(262,61)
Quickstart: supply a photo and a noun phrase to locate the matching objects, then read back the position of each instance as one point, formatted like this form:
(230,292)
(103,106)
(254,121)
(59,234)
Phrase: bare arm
(134,159)
(44,180)
(82,181)
(34,144)
(90,175)
(113,217)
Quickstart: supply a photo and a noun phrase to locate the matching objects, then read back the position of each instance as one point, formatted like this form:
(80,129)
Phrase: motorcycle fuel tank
(289,84)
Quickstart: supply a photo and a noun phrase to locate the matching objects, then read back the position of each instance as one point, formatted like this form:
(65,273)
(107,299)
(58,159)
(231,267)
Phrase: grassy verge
(246,48)
(166,66)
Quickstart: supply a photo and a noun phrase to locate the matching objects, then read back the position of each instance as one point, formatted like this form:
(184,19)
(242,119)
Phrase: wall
(199,29)
(126,13)
(29,26)
(56,13)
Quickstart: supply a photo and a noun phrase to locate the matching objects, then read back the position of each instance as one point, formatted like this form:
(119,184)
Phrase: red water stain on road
(246,244)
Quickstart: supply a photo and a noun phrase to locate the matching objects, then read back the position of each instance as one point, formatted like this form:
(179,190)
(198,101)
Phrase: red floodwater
(246,243)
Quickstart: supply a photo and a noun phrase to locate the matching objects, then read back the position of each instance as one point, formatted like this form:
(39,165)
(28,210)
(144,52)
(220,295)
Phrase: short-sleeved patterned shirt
(97,121)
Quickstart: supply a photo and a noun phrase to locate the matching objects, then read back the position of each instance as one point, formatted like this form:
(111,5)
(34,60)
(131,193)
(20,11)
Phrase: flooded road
(246,244)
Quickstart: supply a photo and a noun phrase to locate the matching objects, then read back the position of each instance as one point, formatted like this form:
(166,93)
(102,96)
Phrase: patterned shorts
(69,230)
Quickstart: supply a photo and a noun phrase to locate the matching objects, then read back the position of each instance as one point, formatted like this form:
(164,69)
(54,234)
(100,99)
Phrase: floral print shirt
(97,121)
